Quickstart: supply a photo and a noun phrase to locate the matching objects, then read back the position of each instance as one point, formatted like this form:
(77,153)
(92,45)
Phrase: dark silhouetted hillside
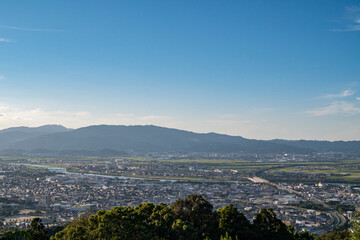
(111,139)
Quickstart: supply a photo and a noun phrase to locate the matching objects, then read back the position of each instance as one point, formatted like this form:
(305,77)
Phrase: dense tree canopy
(355,227)
(36,232)
(336,235)
(199,213)
(192,218)
(271,227)
(233,224)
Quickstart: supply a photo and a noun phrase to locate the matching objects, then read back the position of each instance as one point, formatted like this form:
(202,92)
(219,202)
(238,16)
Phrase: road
(338,219)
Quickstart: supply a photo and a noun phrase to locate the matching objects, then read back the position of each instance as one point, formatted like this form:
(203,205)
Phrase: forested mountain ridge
(150,138)
(10,136)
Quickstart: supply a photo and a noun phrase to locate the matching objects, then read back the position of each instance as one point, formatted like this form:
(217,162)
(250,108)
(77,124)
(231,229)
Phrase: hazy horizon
(260,70)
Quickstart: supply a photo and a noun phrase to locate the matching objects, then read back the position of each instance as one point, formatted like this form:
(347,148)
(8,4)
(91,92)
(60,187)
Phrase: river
(62,170)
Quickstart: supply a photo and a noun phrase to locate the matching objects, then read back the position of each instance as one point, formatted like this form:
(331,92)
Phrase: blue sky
(259,69)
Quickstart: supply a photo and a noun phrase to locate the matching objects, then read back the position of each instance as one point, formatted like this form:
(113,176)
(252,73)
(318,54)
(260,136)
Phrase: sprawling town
(61,192)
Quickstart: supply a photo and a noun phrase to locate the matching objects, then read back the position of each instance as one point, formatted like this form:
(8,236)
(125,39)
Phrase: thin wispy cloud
(2,77)
(29,29)
(351,20)
(337,108)
(130,119)
(358,98)
(16,116)
(345,93)
(5,40)
(36,116)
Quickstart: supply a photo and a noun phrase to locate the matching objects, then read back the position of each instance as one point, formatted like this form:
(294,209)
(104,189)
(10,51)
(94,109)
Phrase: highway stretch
(338,219)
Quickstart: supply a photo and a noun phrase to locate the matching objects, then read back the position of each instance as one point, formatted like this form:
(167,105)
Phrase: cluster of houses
(27,192)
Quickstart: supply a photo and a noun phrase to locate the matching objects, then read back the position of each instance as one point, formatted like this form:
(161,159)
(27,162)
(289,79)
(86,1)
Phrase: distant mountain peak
(44,128)
(150,138)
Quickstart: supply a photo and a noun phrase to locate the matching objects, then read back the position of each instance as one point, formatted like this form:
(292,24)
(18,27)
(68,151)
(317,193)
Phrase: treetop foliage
(192,218)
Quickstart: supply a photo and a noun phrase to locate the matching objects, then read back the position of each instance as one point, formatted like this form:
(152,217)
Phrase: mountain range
(119,139)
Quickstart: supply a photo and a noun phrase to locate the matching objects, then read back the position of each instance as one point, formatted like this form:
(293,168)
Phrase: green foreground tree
(192,218)
(36,232)
(355,227)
